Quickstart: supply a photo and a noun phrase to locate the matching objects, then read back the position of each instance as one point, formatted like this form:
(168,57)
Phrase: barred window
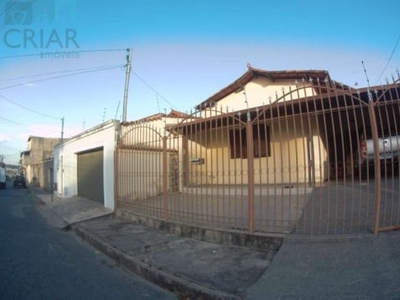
(261,142)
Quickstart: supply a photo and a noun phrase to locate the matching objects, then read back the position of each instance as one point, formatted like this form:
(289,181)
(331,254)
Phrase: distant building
(35,160)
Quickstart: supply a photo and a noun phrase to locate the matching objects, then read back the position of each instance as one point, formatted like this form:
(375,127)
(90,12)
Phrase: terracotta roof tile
(273,75)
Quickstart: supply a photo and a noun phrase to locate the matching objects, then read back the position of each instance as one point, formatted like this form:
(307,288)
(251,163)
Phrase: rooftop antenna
(62,129)
(158,104)
(104,113)
(369,86)
(366,75)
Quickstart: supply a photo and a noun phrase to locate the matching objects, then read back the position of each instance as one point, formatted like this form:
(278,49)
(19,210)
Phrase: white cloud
(4,137)
(29,84)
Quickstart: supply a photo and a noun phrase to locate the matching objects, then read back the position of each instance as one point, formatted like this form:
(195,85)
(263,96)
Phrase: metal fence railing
(323,163)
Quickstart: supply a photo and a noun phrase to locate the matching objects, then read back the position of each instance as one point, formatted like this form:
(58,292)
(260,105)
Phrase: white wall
(65,159)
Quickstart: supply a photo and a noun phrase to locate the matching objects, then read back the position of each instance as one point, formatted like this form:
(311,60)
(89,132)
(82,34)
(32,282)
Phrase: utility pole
(62,130)
(126,90)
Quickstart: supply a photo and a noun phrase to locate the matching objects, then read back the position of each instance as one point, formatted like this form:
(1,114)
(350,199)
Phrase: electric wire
(390,58)
(10,121)
(86,70)
(153,89)
(78,51)
(75,72)
(29,109)
(60,76)
(57,72)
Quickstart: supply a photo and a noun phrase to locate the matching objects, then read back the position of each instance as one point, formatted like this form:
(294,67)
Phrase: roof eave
(254,72)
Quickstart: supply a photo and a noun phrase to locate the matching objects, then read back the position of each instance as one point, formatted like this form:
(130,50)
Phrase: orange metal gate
(295,165)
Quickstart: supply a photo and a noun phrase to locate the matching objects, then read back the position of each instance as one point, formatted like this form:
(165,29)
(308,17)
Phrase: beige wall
(291,145)
(259,92)
(41,149)
(140,168)
(141,173)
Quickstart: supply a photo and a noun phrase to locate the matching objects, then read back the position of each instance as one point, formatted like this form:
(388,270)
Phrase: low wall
(271,242)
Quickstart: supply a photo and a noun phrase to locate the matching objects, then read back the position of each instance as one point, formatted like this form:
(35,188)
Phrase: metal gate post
(165,180)
(116,177)
(377,164)
(250,170)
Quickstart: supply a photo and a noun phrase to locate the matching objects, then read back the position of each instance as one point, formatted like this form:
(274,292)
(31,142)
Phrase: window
(261,142)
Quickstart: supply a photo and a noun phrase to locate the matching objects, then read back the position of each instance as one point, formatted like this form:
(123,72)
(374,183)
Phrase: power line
(28,109)
(101,50)
(82,71)
(57,72)
(78,51)
(51,78)
(10,121)
(153,89)
(390,58)
(62,76)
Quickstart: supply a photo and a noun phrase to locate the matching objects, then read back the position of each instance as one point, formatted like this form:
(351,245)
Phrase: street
(39,261)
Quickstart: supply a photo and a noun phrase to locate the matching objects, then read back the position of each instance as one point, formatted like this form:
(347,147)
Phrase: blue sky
(183,52)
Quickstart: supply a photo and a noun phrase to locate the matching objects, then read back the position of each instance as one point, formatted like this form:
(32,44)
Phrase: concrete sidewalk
(362,267)
(72,209)
(365,267)
(190,268)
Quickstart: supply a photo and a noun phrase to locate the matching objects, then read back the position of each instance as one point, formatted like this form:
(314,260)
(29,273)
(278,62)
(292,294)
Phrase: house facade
(84,165)
(33,160)
(273,152)
(287,147)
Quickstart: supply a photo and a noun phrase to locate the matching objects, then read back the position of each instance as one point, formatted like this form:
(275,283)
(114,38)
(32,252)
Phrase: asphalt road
(38,261)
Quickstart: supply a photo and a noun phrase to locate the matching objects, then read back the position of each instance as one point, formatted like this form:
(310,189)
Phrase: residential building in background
(34,160)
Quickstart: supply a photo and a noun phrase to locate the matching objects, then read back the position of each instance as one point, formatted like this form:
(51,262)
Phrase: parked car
(389,148)
(19,181)
(389,151)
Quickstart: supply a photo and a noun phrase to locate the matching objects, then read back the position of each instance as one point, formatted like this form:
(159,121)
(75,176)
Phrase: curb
(67,222)
(185,289)
(66,225)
